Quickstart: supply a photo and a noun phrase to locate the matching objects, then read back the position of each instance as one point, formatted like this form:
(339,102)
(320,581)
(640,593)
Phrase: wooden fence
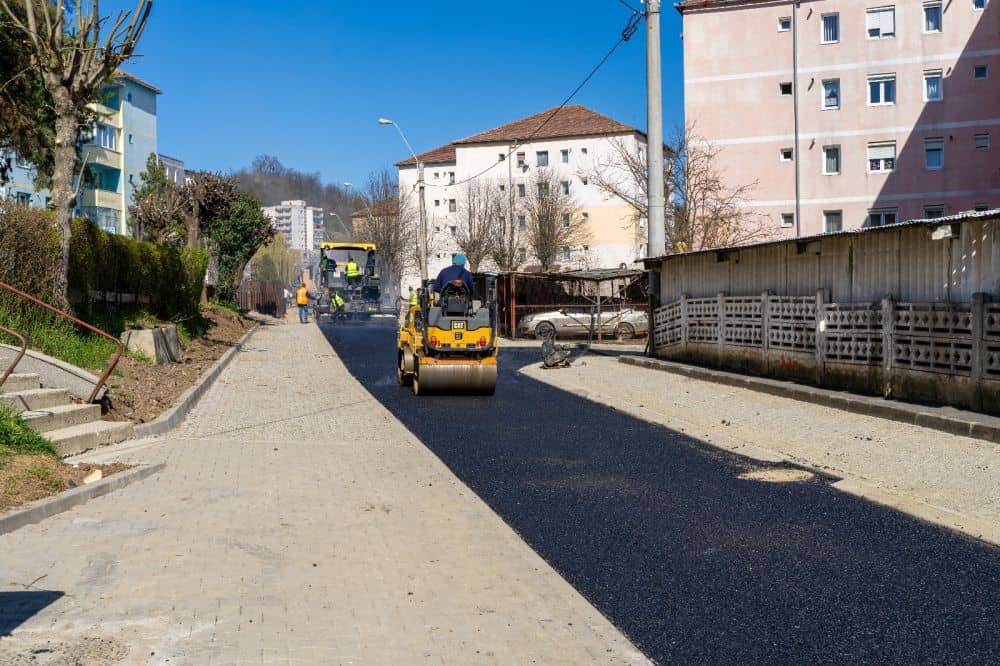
(263,297)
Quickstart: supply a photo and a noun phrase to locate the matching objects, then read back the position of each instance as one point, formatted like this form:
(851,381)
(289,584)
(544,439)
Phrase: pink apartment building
(849,113)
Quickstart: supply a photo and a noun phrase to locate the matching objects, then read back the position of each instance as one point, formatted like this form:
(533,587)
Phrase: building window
(881,156)
(542,158)
(934,153)
(784,24)
(453,231)
(831,160)
(583,151)
(585,216)
(564,155)
(503,188)
(934,211)
(980,71)
(982,141)
(979,4)
(565,252)
(105,136)
(785,154)
(882,89)
(23,198)
(584,180)
(451,177)
(932,17)
(831,94)
(451,206)
(437,202)
(831,29)
(565,220)
(436,175)
(879,217)
(501,157)
(933,92)
(833,221)
(543,189)
(565,186)
(131,139)
(787,220)
(881,22)
(520,159)
(522,223)
(785,88)
(520,190)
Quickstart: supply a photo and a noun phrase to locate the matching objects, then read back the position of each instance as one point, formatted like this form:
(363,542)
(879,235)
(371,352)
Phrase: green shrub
(17,437)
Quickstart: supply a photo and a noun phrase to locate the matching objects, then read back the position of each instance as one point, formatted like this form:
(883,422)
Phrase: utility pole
(655,232)
(423,225)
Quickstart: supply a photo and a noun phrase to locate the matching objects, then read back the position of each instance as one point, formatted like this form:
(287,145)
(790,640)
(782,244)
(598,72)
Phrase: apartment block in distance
(568,144)
(302,224)
(898,106)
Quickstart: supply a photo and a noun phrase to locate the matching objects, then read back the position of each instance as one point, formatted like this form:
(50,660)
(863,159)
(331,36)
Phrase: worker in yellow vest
(353,272)
(336,303)
(302,300)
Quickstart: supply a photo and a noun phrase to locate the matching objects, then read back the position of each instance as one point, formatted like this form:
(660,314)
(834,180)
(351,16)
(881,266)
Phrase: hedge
(171,277)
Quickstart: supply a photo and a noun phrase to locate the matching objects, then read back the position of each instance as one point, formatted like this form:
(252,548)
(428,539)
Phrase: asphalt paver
(692,562)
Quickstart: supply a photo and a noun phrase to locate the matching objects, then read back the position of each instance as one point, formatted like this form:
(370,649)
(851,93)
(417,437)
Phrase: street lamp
(420,185)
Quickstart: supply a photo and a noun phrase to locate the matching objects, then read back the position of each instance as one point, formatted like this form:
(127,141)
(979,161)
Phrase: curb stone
(945,419)
(50,506)
(171,418)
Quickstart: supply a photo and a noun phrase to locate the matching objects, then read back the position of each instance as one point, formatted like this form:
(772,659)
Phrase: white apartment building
(570,144)
(302,224)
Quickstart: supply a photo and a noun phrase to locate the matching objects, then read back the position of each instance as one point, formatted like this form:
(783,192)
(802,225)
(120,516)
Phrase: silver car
(624,324)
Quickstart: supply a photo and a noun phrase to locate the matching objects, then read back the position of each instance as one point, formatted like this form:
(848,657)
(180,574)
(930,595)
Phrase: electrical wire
(626,34)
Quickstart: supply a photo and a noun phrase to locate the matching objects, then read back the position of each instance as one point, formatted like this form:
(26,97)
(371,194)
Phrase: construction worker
(302,300)
(353,273)
(406,304)
(336,303)
(456,271)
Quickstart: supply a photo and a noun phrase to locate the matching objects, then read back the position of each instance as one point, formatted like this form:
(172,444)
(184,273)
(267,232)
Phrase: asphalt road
(694,564)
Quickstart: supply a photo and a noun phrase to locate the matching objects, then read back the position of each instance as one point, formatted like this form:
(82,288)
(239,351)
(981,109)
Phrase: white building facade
(302,224)
(570,145)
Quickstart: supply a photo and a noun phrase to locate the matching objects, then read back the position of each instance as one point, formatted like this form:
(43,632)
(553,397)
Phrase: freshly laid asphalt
(694,564)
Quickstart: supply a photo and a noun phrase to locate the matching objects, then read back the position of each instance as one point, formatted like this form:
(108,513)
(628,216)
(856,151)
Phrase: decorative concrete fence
(934,351)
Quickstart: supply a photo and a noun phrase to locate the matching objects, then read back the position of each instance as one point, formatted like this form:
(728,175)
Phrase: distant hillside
(272,182)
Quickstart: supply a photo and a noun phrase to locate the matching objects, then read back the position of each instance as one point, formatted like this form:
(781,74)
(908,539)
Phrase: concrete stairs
(72,427)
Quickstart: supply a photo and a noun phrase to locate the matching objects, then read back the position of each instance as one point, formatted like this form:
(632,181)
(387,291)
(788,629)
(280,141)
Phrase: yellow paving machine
(447,343)
(361,292)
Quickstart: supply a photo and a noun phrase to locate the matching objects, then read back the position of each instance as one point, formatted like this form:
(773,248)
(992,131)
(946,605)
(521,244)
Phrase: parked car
(624,324)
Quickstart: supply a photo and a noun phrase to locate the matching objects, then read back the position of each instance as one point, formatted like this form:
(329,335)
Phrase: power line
(626,34)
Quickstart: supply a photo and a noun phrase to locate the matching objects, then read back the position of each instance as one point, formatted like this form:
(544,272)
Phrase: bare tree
(159,203)
(554,221)
(480,208)
(707,212)
(75,62)
(207,196)
(710,211)
(388,223)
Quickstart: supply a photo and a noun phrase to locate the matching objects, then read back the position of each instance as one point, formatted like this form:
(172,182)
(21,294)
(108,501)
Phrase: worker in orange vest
(302,299)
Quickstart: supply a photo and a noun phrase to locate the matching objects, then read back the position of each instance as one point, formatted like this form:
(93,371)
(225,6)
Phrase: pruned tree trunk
(63,190)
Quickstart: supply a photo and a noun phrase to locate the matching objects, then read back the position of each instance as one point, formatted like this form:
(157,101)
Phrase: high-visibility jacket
(337,301)
(352,269)
(302,296)
(414,299)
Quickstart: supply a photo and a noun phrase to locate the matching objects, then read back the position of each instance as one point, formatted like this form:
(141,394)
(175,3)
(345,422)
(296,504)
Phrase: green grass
(17,437)
(59,338)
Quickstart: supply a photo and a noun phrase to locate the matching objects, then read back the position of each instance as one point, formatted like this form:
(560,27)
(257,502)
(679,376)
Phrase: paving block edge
(171,418)
(49,506)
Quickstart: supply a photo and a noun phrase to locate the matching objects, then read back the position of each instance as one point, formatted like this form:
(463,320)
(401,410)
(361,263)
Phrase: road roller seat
(455,299)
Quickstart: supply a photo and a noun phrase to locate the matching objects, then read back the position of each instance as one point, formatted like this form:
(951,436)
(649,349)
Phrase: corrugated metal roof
(992,214)
(587,275)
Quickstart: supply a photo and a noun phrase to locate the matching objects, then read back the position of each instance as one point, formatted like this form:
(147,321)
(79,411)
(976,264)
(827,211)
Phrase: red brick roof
(554,123)
(440,155)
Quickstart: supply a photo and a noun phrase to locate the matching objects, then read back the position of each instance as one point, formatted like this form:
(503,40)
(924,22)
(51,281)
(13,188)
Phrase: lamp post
(420,184)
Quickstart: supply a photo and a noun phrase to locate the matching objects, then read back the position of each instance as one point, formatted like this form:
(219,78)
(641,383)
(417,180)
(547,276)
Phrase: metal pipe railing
(79,322)
(20,354)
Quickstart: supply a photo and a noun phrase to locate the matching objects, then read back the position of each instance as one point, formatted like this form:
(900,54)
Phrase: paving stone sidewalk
(939,477)
(296,522)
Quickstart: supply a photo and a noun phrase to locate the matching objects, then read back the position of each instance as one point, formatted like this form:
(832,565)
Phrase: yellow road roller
(448,343)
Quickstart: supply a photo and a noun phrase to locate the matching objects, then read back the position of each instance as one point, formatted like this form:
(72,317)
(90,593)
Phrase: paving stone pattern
(297,521)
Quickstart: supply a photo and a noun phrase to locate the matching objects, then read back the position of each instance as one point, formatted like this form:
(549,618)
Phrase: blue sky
(305,81)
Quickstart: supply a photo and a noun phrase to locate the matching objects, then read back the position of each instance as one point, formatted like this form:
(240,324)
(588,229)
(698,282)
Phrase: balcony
(100,199)
(107,115)
(103,156)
